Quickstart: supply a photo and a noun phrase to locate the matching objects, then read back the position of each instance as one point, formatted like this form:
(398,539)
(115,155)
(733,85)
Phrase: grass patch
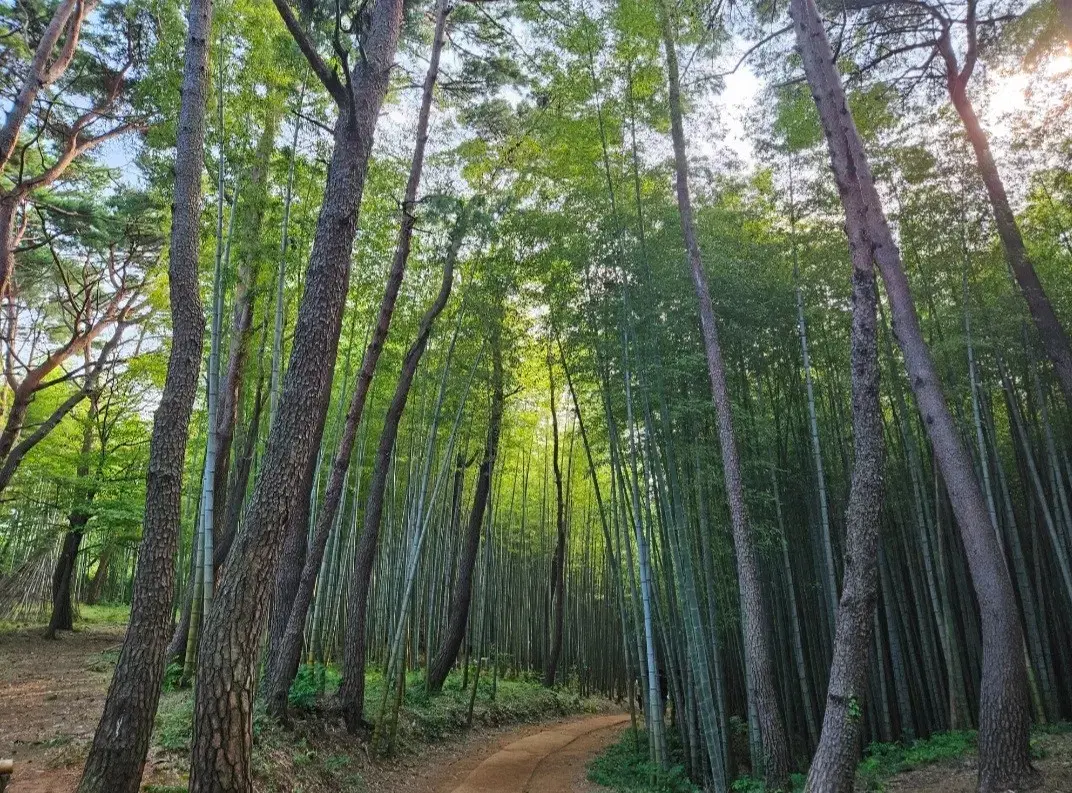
(100,615)
(884,760)
(625,768)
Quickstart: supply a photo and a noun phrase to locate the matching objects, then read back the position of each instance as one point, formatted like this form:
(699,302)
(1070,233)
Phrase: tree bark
(284,663)
(352,688)
(223,714)
(759,654)
(62,618)
(558,560)
(1005,712)
(833,767)
(458,618)
(117,755)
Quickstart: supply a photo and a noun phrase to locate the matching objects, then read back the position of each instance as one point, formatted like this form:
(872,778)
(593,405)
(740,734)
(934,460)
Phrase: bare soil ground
(51,695)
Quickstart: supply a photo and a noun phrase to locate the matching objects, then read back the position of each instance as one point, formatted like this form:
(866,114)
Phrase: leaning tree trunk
(759,654)
(352,688)
(223,714)
(251,252)
(558,561)
(833,767)
(458,618)
(1004,709)
(1051,332)
(284,663)
(117,756)
(62,618)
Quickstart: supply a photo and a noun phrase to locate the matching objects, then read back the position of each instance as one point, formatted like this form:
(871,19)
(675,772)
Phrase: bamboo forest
(486,396)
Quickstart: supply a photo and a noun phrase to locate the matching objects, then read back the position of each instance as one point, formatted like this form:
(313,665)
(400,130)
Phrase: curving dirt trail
(551,761)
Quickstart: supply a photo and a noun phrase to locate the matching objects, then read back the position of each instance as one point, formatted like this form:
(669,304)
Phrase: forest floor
(51,695)
(1053,757)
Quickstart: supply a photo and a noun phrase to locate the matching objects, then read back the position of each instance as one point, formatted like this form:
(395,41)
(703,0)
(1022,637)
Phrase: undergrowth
(316,754)
(884,760)
(625,767)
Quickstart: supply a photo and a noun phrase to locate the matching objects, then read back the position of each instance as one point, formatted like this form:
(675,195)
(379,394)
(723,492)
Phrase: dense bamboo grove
(494,336)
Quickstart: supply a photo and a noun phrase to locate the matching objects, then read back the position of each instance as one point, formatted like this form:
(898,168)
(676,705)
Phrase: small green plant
(310,684)
(173,677)
(884,760)
(174,721)
(625,767)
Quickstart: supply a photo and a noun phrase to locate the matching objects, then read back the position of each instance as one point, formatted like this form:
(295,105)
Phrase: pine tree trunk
(352,688)
(759,655)
(1005,712)
(1053,335)
(62,618)
(833,767)
(293,610)
(223,715)
(117,756)
(458,619)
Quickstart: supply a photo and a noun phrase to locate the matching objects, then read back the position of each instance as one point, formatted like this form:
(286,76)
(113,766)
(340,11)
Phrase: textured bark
(117,756)
(251,253)
(759,653)
(458,618)
(833,766)
(558,560)
(1004,703)
(288,577)
(223,714)
(283,663)
(352,688)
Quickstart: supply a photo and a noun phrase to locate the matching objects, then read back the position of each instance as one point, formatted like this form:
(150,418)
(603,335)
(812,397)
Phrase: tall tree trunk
(759,654)
(1004,711)
(833,767)
(223,715)
(117,756)
(1053,335)
(558,560)
(352,688)
(458,618)
(251,253)
(284,663)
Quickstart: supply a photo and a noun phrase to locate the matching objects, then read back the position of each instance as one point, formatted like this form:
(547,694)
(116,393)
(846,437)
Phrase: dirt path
(551,761)
(51,695)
